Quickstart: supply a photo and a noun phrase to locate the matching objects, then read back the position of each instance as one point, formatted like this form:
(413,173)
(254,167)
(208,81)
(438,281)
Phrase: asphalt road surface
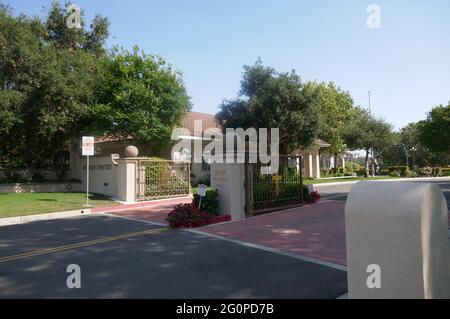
(127,259)
(340,192)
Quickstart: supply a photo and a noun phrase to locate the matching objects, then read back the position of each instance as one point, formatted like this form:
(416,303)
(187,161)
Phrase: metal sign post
(202,193)
(87,150)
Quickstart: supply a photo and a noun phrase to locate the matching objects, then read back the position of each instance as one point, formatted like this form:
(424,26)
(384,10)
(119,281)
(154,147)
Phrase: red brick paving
(155,213)
(316,231)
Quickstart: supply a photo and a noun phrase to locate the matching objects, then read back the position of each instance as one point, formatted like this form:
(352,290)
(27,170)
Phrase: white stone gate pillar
(126,180)
(228,179)
(397,241)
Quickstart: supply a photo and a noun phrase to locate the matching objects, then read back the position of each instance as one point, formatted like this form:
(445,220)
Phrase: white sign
(201,190)
(87,146)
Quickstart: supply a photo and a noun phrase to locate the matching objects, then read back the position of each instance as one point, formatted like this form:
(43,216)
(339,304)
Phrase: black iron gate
(270,192)
(162,179)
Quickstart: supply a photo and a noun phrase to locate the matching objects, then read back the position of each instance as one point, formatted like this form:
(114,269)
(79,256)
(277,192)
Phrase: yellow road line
(81,244)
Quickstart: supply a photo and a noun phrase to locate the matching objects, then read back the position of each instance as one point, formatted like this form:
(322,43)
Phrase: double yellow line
(81,244)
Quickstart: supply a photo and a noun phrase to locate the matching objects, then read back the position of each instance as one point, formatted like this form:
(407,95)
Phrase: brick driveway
(316,231)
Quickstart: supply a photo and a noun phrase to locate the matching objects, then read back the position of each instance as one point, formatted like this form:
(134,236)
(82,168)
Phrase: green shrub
(437,171)
(210,202)
(394,174)
(340,170)
(446,172)
(400,169)
(205,180)
(349,167)
(425,171)
(188,215)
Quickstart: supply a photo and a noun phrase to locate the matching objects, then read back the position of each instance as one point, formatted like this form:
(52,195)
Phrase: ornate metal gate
(270,192)
(162,179)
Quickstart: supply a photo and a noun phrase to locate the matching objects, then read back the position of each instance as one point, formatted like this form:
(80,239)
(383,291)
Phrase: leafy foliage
(269,99)
(49,81)
(435,130)
(210,201)
(188,215)
(142,98)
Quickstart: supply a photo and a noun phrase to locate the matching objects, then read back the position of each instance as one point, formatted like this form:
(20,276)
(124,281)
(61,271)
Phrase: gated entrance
(162,179)
(270,192)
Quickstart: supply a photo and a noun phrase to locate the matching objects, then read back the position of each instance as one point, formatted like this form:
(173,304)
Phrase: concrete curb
(431,179)
(7,221)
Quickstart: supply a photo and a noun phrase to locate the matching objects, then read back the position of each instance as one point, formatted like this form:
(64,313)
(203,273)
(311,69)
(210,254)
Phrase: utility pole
(372,153)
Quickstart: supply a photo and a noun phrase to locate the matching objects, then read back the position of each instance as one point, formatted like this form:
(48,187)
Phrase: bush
(394,174)
(446,172)
(437,171)
(400,169)
(314,196)
(210,202)
(349,167)
(205,180)
(188,215)
(425,171)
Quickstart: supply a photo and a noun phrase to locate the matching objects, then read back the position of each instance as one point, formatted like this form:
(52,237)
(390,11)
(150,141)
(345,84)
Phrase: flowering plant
(314,197)
(188,215)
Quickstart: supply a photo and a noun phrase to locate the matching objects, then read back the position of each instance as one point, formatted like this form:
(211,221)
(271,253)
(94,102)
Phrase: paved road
(149,262)
(340,192)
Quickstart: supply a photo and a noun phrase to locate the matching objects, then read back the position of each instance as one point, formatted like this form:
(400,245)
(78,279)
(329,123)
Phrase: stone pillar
(397,241)
(228,179)
(126,181)
(317,164)
(310,165)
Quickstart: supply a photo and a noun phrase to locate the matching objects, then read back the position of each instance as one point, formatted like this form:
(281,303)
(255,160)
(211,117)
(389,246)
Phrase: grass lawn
(335,180)
(38,203)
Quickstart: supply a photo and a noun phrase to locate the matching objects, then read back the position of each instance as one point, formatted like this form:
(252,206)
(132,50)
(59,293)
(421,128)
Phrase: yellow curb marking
(81,244)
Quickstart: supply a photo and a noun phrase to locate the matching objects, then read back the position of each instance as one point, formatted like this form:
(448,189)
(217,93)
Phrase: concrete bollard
(397,241)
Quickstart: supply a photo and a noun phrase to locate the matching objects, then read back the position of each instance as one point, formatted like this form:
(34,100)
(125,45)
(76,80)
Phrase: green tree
(435,130)
(57,32)
(407,149)
(142,98)
(336,111)
(269,99)
(369,134)
(47,88)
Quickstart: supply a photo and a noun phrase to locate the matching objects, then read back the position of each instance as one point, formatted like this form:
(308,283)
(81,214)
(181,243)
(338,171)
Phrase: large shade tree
(269,99)
(369,134)
(48,82)
(336,112)
(142,98)
(408,149)
(435,130)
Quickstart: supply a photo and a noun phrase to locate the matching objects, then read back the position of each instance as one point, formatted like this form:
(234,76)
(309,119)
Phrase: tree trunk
(336,163)
(366,164)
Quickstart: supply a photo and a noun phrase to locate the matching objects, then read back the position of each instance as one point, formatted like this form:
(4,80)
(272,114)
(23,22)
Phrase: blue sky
(405,63)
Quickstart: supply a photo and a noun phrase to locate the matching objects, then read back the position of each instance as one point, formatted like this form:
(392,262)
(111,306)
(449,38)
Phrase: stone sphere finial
(131,151)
